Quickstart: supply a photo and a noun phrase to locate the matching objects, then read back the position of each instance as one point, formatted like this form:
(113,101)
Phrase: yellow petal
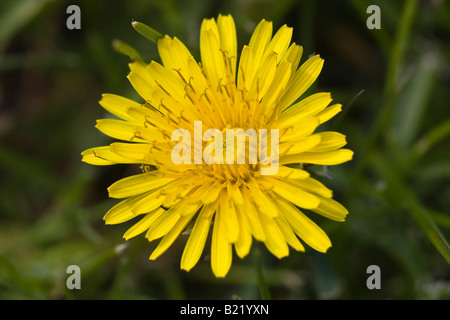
(260,40)
(141,80)
(291,193)
(313,186)
(198,80)
(178,212)
(153,119)
(255,225)
(212,57)
(322,158)
(279,82)
(136,151)
(149,134)
(167,80)
(262,200)
(143,224)
(264,77)
(213,194)
(228,217)
(234,193)
(248,210)
(246,70)
(207,193)
(92,156)
(165,222)
(228,40)
(170,237)
(275,241)
(118,129)
(291,173)
(121,212)
(304,227)
(210,24)
(174,54)
(306,144)
(301,81)
(149,202)
(299,130)
(137,184)
(244,241)
(329,112)
(280,42)
(118,105)
(305,108)
(329,141)
(189,208)
(179,189)
(331,209)
(221,250)
(293,55)
(197,239)
(289,235)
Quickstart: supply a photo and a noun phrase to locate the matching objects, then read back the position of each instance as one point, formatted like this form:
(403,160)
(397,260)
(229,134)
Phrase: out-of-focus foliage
(397,187)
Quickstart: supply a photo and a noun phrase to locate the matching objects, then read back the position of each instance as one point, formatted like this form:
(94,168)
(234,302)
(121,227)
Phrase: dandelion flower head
(257,88)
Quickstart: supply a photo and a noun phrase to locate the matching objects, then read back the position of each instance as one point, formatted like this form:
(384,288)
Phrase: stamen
(285,130)
(182,117)
(187,95)
(223,86)
(146,168)
(97,156)
(289,148)
(206,96)
(162,88)
(137,135)
(155,147)
(147,122)
(161,104)
(179,73)
(190,84)
(165,134)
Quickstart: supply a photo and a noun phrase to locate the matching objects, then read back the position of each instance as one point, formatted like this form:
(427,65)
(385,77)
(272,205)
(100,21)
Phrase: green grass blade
(405,197)
(412,103)
(15,14)
(263,289)
(399,46)
(431,138)
(390,90)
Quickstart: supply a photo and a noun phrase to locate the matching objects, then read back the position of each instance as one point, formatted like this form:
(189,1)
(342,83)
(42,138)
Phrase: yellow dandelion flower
(193,177)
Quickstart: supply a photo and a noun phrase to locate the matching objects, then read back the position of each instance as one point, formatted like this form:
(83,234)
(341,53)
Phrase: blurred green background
(397,187)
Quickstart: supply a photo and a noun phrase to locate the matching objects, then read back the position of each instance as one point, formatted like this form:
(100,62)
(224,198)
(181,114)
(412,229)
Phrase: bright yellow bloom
(258,91)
